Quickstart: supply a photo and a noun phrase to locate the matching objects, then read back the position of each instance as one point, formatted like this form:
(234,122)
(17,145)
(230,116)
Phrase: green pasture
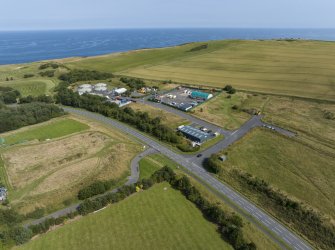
(55,129)
(298,170)
(296,68)
(159,218)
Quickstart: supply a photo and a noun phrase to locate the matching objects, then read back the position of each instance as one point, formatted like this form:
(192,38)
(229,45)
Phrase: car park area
(183,98)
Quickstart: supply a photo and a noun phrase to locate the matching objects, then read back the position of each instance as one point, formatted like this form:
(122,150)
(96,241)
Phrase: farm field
(152,163)
(286,164)
(294,68)
(44,174)
(54,129)
(159,218)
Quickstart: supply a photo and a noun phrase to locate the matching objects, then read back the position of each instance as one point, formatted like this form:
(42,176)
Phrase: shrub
(28,75)
(200,47)
(212,164)
(48,73)
(328,115)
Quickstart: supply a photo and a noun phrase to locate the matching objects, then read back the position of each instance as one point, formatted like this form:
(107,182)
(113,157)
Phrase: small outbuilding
(186,107)
(120,91)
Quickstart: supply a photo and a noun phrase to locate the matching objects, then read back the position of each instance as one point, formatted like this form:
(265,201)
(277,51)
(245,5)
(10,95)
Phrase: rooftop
(194,132)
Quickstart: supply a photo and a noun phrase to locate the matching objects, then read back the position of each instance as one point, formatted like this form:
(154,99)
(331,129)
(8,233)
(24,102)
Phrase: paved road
(133,178)
(135,168)
(255,121)
(195,167)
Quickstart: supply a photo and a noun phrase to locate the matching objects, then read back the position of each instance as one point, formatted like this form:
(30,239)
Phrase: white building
(100,87)
(84,88)
(120,91)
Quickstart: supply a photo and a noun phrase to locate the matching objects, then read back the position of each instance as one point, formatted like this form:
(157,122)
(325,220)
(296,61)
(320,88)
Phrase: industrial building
(120,91)
(201,95)
(194,134)
(186,107)
(100,87)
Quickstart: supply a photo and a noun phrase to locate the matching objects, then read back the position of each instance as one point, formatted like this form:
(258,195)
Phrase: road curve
(234,197)
(133,178)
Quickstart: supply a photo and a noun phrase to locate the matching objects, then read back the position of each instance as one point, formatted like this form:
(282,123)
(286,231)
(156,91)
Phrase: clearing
(45,173)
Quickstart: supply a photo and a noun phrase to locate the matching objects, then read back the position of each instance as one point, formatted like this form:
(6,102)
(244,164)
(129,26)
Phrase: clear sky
(70,14)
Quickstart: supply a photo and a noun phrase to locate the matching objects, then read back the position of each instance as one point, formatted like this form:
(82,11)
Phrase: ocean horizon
(30,46)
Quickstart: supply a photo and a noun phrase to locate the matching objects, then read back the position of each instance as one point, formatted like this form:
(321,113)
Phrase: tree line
(78,75)
(229,225)
(140,120)
(12,118)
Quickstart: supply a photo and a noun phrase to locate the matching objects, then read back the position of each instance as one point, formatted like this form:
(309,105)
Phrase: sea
(29,46)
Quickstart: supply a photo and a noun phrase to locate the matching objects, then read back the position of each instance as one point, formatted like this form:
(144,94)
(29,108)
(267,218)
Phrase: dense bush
(200,47)
(36,214)
(8,95)
(47,73)
(46,224)
(133,83)
(185,147)
(10,217)
(98,187)
(40,98)
(27,114)
(84,75)
(328,115)
(229,89)
(49,65)
(212,164)
(28,75)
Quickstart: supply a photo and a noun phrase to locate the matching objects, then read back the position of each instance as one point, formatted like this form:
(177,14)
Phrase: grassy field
(219,111)
(169,119)
(159,218)
(55,129)
(298,68)
(46,173)
(152,163)
(300,171)
(32,87)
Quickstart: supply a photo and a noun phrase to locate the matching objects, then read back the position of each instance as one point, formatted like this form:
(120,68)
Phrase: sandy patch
(67,176)
(28,163)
